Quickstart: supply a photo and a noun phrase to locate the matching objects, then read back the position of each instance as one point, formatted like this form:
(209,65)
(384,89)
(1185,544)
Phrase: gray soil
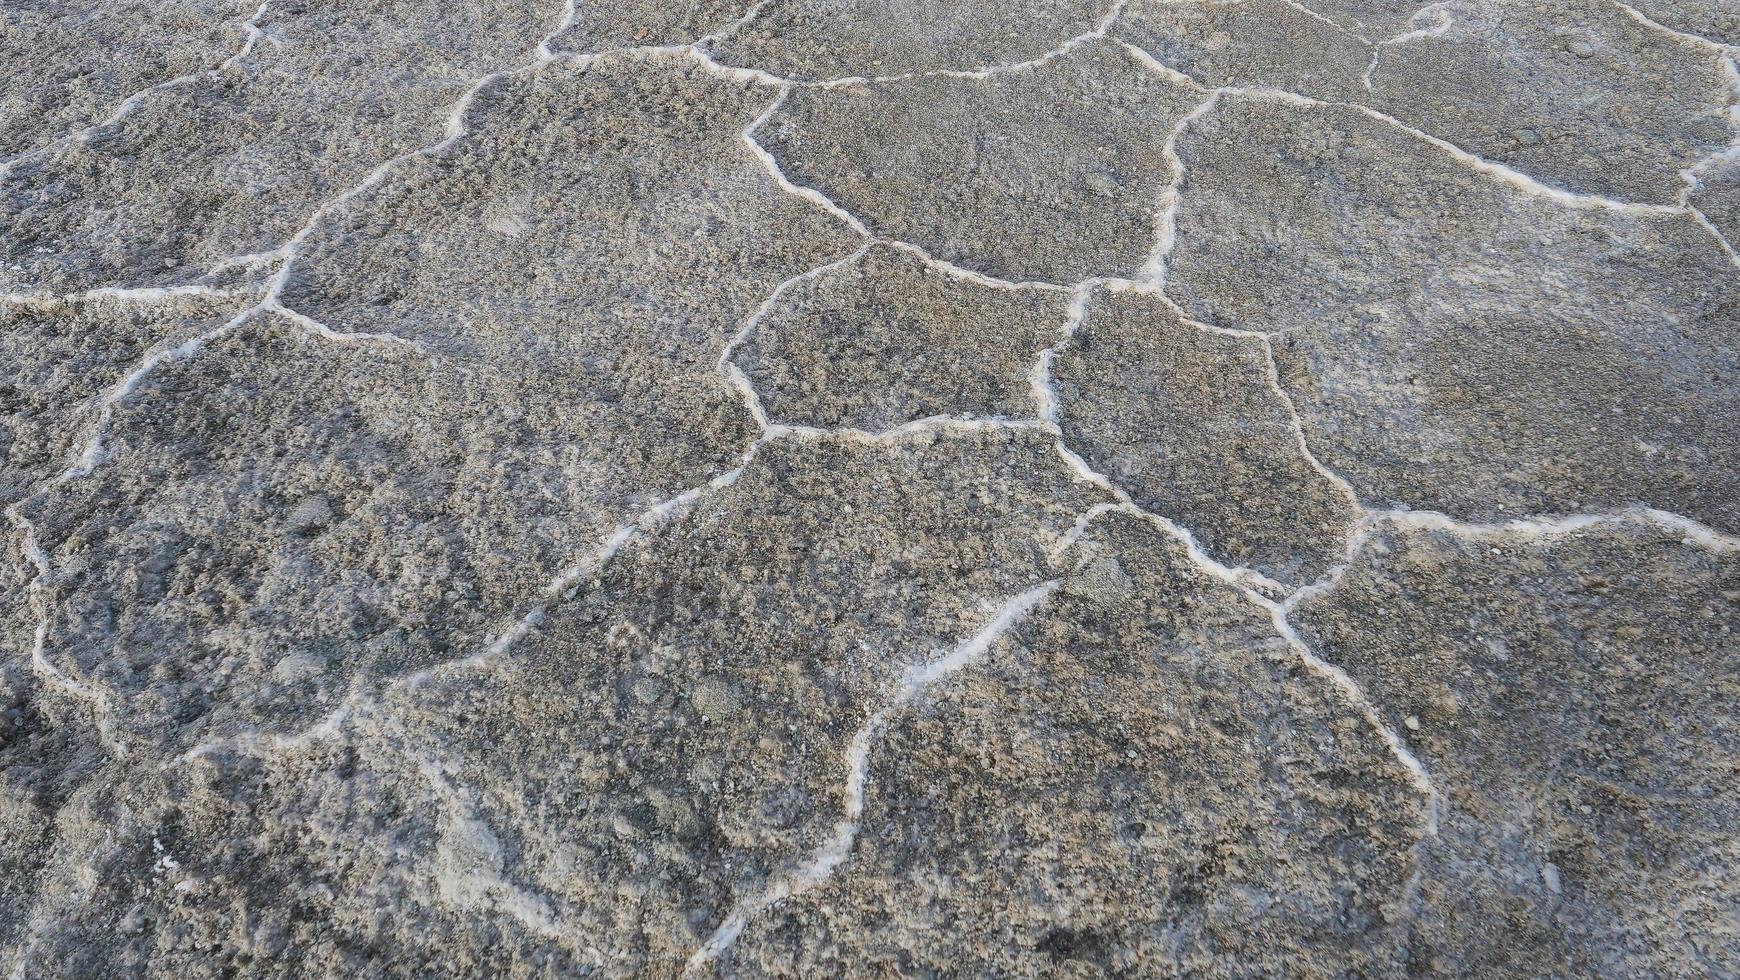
(1033,488)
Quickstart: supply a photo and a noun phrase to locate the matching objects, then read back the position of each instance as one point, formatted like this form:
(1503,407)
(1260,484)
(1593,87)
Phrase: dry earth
(997,488)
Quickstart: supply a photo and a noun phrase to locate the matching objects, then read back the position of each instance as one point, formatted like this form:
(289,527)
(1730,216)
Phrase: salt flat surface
(1211,488)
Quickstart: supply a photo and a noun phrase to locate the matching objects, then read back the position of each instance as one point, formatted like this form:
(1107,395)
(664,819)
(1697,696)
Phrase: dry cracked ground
(998,488)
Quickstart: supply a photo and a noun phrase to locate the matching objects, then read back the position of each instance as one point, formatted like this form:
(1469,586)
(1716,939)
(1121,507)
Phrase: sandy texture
(1039,488)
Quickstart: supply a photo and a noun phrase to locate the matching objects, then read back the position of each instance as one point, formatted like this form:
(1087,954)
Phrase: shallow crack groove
(728,30)
(1158,291)
(808,871)
(1509,175)
(1350,689)
(1647,21)
(1307,11)
(1438,29)
(1045,398)
(1297,424)
(137,296)
(1502,172)
(319,329)
(1248,579)
(93,453)
(1161,68)
(1241,579)
(102,711)
(734,375)
(1153,281)
(1692,175)
(1166,217)
(968,275)
(1545,527)
(469,839)
(1356,695)
(1250,583)
(285,255)
(735,73)
(570,9)
(1536,528)
(252,32)
(1722,242)
(930,424)
(1101,29)
(816,197)
(562,585)
(564,582)
(773,169)
(822,862)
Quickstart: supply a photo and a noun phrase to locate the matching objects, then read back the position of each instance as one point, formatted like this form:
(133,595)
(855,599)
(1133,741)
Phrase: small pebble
(312,514)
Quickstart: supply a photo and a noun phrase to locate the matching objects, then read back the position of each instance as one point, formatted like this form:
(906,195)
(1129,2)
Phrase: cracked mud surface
(1202,488)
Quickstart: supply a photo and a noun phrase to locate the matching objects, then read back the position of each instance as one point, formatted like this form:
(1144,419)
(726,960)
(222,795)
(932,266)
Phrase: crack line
(496,890)
(131,295)
(1045,397)
(252,29)
(1730,155)
(286,254)
(735,375)
(101,709)
(565,580)
(1339,28)
(852,221)
(131,103)
(1687,36)
(977,74)
(1248,579)
(1502,172)
(570,10)
(1166,217)
(773,168)
(1278,612)
(825,859)
(1439,29)
(748,17)
(1249,582)
(319,329)
(93,454)
(1544,527)
(560,586)
(1240,579)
